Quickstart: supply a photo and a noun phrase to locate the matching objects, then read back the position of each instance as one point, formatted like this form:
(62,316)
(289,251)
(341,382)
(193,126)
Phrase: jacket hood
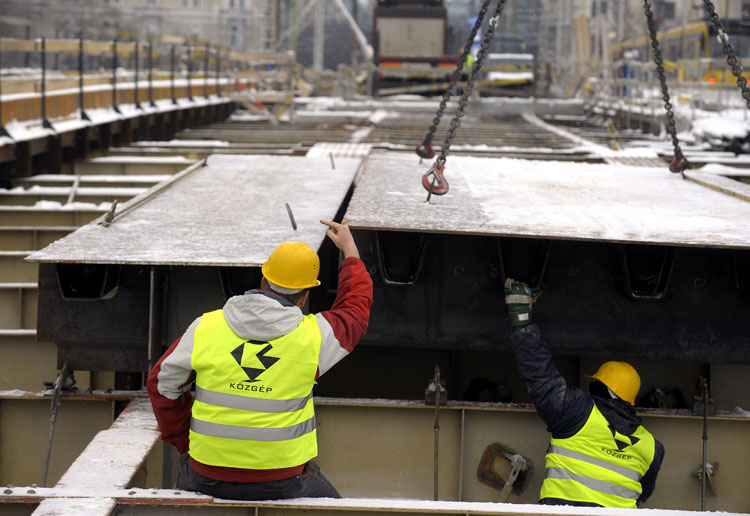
(620,414)
(259,315)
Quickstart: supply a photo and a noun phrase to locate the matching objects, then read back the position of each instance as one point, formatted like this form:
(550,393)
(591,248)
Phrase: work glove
(518,299)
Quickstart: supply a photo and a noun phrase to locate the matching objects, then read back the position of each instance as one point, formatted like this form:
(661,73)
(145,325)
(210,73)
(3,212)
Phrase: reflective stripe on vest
(593,484)
(252,434)
(253,406)
(243,403)
(598,465)
(629,473)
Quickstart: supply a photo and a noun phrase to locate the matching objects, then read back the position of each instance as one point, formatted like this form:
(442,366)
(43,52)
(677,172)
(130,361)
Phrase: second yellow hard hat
(621,378)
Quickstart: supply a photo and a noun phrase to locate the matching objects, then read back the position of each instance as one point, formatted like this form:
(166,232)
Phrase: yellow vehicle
(690,52)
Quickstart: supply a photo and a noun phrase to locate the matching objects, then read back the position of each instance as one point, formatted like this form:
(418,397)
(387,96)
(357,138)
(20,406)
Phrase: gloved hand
(518,299)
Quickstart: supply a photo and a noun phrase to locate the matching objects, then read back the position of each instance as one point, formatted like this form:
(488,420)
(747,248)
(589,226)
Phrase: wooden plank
(237,200)
(546,199)
(63,46)
(97,47)
(17,45)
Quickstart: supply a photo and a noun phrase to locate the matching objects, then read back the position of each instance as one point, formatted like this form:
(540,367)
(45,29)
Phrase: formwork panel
(231,212)
(507,197)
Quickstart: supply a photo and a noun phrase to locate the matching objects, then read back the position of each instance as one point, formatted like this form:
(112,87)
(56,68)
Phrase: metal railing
(200,68)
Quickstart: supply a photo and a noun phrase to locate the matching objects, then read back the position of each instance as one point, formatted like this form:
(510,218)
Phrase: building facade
(242,25)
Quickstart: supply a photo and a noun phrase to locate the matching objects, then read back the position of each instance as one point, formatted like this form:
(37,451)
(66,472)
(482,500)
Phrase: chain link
(728,51)
(456,73)
(679,164)
(483,50)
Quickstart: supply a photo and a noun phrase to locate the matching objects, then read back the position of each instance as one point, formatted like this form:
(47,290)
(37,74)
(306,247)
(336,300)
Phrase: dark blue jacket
(566,409)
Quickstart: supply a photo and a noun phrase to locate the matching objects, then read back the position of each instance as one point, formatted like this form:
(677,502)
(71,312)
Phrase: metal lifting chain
(679,163)
(424,150)
(728,51)
(433,181)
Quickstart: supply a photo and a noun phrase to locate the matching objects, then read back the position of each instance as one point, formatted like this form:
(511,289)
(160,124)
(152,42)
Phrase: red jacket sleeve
(171,399)
(345,323)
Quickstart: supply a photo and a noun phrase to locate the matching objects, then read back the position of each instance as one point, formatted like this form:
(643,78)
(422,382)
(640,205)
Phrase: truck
(410,39)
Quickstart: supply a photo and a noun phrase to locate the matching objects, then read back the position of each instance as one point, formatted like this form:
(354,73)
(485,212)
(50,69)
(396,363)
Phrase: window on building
(231,4)
(185,3)
(196,3)
(152,2)
(235,34)
(242,4)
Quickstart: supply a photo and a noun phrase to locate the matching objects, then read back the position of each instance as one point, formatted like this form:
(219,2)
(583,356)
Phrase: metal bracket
(646,270)
(4,132)
(404,242)
(742,273)
(88,282)
(711,468)
(531,267)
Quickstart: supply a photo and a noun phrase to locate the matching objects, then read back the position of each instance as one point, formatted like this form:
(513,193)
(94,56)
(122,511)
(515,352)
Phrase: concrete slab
(231,212)
(547,199)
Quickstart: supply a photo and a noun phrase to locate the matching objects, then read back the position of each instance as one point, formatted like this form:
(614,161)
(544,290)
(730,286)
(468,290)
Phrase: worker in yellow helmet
(248,431)
(599,455)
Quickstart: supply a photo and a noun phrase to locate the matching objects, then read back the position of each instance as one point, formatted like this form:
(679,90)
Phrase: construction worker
(599,454)
(248,430)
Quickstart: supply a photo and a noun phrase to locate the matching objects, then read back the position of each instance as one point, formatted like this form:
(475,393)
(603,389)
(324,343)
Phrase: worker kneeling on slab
(249,429)
(599,454)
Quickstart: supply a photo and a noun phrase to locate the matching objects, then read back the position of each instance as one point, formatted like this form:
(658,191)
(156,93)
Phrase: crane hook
(434,181)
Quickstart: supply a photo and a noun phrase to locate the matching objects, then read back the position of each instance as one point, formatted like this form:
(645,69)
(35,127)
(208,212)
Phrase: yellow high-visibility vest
(253,405)
(598,464)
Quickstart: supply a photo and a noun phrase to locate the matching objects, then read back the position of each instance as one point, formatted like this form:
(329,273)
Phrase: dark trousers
(310,483)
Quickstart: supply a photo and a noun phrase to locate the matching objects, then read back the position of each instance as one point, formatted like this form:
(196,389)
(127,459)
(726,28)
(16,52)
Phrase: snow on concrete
(99,178)
(151,160)
(77,506)
(182,143)
(724,170)
(65,190)
(114,455)
(393,505)
(510,197)
(510,76)
(339,150)
(54,205)
(231,212)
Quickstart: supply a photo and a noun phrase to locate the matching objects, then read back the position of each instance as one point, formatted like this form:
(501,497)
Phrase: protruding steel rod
(135,86)
(151,74)
(53,418)
(114,76)
(291,216)
(171,74)
(436,428)
(705,442)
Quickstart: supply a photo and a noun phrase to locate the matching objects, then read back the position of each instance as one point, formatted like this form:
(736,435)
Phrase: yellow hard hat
(292,265)
(621,378)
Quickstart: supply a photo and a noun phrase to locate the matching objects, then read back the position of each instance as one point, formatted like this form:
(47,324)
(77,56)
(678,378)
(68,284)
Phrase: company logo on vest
(250,352)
